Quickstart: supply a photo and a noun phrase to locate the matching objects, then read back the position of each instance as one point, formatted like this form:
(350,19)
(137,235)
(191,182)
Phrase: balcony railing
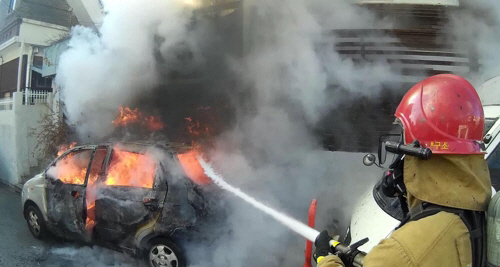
(35,97)
(6,104)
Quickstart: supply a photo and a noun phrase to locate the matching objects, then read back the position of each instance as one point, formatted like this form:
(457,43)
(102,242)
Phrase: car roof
(173,147)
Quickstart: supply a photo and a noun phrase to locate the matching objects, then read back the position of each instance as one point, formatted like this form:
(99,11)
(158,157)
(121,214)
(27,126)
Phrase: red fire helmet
(443,113)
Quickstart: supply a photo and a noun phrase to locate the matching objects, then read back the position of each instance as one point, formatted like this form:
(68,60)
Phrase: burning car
(130,197)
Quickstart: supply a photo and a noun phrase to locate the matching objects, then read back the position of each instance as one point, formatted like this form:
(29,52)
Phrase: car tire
(36,222)
(162,252)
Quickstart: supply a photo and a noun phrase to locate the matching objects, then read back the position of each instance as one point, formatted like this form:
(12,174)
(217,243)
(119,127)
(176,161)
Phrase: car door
(95,179)
(130,196)
(66,181)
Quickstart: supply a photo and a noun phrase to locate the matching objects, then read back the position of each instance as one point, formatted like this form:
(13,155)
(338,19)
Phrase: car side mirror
(487,139)
(369,159)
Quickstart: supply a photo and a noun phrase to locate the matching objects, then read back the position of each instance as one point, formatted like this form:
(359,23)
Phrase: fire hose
(350,255)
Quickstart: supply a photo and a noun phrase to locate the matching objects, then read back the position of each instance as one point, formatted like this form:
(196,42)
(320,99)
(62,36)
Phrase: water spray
(296,226)
(350,254)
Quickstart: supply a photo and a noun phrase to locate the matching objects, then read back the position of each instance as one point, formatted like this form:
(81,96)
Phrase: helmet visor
(395,135)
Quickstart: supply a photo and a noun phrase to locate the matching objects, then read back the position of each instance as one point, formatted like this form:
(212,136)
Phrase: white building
(26,29)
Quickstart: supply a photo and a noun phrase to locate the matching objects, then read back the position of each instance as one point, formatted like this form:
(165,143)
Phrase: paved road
(19,248)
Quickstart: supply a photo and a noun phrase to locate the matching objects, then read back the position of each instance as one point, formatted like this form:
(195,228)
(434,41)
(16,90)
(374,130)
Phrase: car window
(494,166)
(131,169)
(72,168)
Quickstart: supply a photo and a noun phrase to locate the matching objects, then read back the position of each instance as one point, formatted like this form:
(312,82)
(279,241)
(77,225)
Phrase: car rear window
(131,169)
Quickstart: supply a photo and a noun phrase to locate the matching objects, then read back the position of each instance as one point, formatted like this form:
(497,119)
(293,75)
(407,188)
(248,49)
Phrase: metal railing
(34,97)
(6,104)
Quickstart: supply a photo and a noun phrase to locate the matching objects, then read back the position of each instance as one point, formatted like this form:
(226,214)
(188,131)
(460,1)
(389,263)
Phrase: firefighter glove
(323,247)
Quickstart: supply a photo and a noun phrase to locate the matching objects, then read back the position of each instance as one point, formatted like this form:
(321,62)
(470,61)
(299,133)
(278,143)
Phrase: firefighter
(446,195)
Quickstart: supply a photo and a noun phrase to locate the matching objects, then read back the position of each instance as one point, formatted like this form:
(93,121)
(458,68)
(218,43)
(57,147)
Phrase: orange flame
(90,221)
(192,167)
(126,169)
(127,116)
(131,169)
(131,116)
(63,148)
(69,171)
(90,200)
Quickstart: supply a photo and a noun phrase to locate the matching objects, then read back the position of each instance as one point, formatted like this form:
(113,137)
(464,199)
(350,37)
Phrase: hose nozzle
(350,254)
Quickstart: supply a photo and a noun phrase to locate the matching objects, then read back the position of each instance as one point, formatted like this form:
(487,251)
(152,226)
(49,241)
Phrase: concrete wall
(17,146)
(88,12)
(8,166)
(41,33)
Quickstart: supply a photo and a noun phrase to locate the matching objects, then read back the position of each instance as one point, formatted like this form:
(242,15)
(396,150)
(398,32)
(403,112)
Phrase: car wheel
(162,252)
(36,223)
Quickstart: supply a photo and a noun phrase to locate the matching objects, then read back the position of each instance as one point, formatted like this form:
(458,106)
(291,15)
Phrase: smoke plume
(476,28)
(103,70)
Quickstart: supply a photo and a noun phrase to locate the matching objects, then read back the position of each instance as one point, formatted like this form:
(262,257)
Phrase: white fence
(33,97)
(6,104)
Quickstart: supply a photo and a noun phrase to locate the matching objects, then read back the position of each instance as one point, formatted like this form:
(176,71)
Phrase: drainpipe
(28,74)
(29,62)
(20,67)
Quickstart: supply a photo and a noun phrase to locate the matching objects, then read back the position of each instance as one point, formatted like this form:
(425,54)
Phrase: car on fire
(130,197)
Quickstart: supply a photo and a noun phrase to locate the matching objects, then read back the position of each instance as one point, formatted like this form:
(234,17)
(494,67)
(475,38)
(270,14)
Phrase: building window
(12,5)
(39,82)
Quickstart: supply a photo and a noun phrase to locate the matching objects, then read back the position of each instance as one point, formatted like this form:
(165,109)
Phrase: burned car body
(128,196)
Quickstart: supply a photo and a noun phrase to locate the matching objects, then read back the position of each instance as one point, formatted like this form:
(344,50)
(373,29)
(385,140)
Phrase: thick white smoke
(475,28)
(291,54)
(103,70)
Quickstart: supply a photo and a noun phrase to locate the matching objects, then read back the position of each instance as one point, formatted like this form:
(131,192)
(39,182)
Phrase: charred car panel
(177,211)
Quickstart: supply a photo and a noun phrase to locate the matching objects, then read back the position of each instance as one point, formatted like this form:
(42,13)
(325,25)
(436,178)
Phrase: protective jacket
(457,181)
